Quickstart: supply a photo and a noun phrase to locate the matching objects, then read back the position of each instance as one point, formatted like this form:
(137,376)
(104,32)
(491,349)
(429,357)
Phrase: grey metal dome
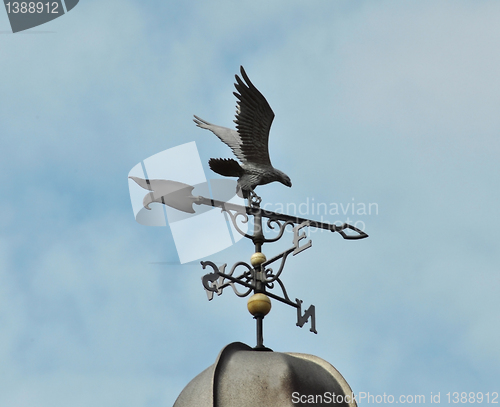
(242,376)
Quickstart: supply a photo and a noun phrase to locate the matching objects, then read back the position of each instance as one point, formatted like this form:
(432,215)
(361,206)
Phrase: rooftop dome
(242,376)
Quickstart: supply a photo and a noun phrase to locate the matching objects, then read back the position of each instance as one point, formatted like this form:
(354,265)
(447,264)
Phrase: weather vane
(249,144)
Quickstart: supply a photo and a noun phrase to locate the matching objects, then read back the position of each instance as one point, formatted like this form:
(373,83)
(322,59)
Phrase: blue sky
(393,103)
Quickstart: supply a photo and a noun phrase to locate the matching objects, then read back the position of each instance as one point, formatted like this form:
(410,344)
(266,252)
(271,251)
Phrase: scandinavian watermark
(335,213)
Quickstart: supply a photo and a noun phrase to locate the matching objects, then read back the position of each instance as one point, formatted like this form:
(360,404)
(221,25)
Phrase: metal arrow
(178,195)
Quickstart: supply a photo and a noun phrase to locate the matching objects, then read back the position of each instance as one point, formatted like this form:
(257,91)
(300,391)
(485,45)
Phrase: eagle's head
(284,179)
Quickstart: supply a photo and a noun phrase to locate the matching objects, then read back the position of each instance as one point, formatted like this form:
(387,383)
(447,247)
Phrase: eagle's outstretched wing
(254,117)
(228,136)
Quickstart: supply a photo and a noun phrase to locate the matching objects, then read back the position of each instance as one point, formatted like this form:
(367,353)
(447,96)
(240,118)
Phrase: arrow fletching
(175,194)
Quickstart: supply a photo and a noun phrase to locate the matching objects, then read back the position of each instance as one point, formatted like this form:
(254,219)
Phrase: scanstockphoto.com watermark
(353,213)
(367,398)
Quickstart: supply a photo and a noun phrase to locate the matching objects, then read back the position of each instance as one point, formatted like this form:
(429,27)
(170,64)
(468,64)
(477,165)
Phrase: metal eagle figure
(249,142)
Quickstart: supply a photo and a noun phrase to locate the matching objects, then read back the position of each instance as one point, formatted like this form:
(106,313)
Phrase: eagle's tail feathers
(226,167)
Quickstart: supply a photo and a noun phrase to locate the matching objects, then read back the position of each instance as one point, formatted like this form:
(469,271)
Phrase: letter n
(302,319)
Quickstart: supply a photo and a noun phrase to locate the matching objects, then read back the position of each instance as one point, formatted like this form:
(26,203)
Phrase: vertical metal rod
(258,234)
(258,240)
(260,335)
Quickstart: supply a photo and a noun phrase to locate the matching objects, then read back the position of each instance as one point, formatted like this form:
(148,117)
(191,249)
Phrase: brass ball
(259,304)
(257,259)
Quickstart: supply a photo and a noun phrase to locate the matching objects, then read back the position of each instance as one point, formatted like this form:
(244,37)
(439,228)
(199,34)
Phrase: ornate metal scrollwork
(216,282)
(270,277)
(282,227)
(234,218)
